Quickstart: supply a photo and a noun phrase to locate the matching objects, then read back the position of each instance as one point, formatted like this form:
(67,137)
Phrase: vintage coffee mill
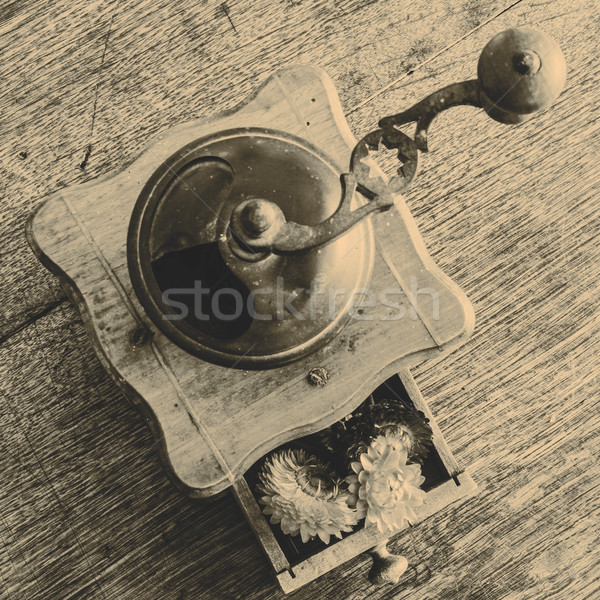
(235,282)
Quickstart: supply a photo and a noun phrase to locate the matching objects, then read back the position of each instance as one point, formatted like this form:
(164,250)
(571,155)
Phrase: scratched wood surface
(509,213)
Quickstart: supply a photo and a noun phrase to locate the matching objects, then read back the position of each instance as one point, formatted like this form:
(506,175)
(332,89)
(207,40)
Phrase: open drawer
(297,563)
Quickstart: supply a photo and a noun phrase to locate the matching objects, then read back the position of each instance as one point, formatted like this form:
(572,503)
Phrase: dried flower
(384,488)
(304,496)
(392,418)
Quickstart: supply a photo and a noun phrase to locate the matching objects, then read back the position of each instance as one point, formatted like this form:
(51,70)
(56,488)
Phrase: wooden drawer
(296,563)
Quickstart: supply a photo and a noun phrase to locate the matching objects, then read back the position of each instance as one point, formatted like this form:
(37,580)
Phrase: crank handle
(520,71)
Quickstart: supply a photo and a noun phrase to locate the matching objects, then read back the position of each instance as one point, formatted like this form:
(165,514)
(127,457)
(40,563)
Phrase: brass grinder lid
(219,299)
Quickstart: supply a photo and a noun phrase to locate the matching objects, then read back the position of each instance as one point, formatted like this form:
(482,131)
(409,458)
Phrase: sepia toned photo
(299,299)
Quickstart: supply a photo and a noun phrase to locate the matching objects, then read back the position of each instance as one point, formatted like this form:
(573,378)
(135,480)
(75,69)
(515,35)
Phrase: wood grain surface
(509,213)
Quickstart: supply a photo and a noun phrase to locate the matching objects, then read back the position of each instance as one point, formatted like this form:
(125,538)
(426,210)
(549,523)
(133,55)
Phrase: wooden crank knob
(520,71)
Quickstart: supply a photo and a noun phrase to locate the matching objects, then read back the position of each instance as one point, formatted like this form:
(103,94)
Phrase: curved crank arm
(294,237)
(423,112)
(259,225)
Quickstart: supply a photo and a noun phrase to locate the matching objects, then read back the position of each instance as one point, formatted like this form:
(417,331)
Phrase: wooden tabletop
(509,213)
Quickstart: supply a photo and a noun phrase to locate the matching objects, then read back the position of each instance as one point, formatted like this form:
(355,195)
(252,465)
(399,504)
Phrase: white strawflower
(384,489)
(304,496)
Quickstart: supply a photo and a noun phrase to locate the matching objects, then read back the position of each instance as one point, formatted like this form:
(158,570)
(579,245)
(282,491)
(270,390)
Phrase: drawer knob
(387,567)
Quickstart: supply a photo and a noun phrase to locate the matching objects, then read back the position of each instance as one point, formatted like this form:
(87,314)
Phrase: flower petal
(288,496)
(366,461)
(325,537)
